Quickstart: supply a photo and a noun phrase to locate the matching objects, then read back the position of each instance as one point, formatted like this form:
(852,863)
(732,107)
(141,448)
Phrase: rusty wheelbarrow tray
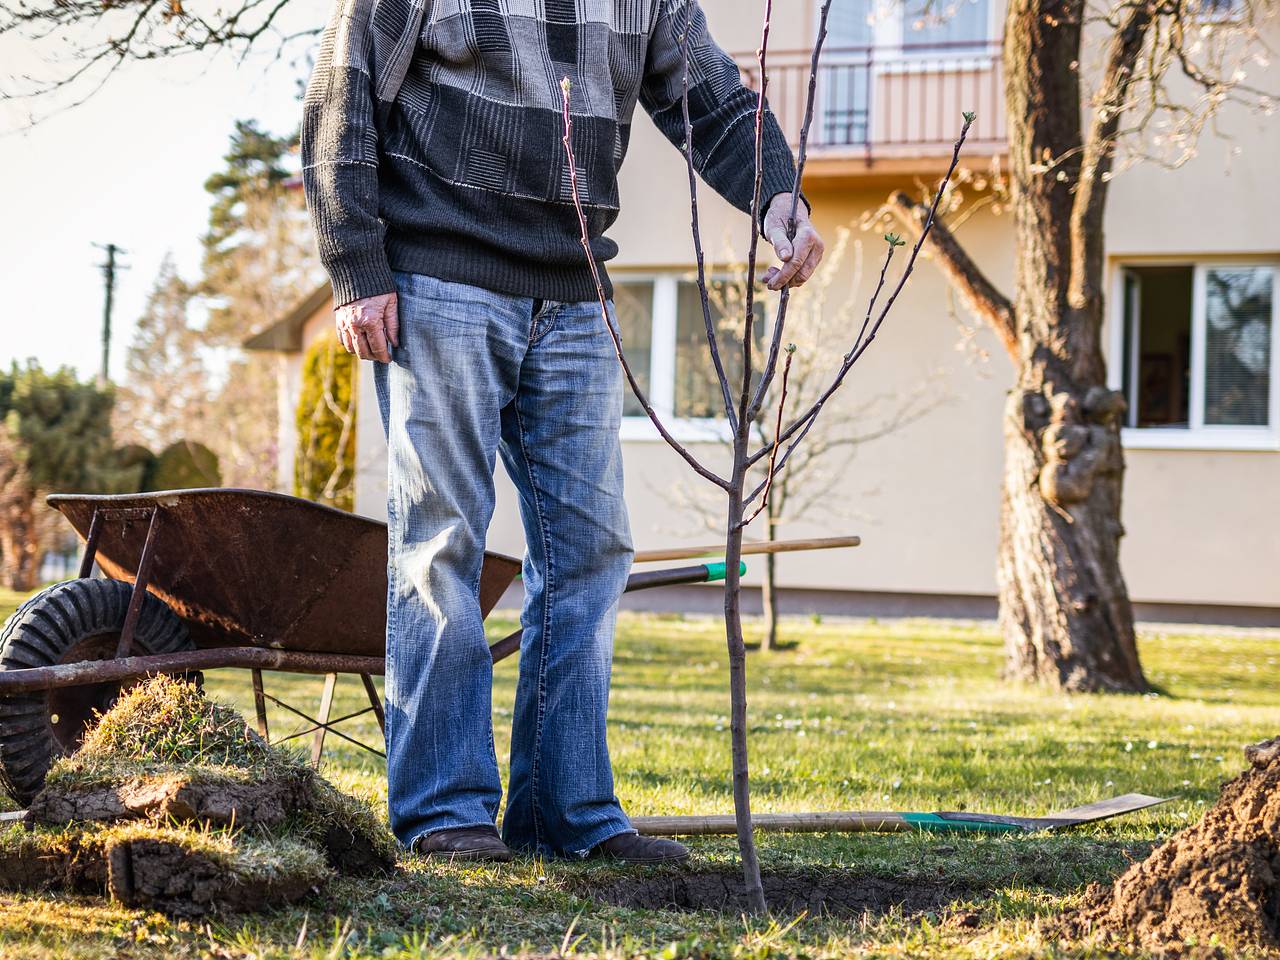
(227,578)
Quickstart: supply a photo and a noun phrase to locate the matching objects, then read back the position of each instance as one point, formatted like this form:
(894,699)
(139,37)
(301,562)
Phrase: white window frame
(662,364)
(1198,435)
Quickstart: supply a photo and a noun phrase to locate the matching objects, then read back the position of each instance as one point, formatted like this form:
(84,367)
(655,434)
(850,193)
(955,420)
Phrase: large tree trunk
(20,553)
(1064,608)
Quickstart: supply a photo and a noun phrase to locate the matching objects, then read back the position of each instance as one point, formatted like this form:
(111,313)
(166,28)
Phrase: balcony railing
(876,102)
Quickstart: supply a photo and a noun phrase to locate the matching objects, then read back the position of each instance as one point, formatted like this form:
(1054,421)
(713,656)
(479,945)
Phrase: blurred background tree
(167,392)
(258,262)
(324,468)
(190,389)
(56,437)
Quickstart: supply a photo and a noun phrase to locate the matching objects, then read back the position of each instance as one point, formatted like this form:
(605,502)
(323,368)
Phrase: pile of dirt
(173,803)
(1215,882)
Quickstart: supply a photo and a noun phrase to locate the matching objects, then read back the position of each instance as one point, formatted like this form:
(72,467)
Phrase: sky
(127,167)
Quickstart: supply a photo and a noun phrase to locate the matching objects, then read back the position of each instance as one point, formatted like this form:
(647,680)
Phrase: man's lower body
(478,374)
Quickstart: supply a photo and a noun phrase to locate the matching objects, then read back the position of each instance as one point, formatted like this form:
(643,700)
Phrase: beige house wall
(1203,526)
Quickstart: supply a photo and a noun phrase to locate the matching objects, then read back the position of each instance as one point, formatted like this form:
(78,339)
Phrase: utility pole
(109,280)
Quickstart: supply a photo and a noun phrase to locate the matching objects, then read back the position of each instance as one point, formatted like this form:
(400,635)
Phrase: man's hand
(367,326)
(800,256)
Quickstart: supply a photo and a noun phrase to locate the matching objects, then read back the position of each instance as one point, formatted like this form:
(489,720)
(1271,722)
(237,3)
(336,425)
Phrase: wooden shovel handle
(764,546)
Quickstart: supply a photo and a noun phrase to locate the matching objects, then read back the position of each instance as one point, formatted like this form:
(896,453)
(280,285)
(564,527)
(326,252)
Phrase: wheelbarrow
(199,580)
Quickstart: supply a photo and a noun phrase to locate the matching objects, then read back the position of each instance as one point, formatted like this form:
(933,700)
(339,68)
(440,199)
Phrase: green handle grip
(932,823)
(718,571)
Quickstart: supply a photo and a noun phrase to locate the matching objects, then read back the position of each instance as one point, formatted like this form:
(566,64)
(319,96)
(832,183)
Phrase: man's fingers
(363,351)
(376,340)
(781,245)
(391,321)
(789,270)
(809,267)
(809,251)
(344,337)
(807,256)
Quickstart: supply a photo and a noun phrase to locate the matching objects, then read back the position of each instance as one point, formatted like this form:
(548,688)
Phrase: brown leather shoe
(464,843)
(638,849)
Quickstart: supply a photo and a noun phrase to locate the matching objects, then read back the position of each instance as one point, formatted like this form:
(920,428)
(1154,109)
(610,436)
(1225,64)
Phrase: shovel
(878,822)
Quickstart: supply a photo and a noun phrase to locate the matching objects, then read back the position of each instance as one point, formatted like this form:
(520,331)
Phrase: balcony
(890,110)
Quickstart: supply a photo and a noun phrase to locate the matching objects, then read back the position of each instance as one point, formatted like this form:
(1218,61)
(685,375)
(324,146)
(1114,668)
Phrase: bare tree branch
(636,389)
(1099,149)
(802,424)
(771,364)
(748,321)
(777,431)
(713,344)
(980,294)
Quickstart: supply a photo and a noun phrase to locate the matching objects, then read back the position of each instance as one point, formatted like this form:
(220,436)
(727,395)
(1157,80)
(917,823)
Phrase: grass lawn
(858,715)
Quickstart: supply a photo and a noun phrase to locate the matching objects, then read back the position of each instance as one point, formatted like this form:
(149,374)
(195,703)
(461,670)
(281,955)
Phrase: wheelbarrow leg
(125,646)
(374,701)
(326,707)
(91,545)
(260,705)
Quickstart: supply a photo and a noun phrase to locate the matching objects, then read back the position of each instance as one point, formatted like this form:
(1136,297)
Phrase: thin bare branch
(777,430)
(802,156)
(802,423)
(731,414)
(636,389)
(979,293)
(1099,149)
(748,321)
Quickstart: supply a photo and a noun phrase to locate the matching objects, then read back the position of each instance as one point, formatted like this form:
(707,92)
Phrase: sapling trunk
(741,410)
(754,888)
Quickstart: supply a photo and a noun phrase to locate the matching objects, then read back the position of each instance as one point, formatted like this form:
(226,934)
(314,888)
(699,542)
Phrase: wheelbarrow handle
(763,546)
(701,573)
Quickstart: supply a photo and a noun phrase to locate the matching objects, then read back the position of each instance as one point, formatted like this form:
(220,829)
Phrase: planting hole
(833,893)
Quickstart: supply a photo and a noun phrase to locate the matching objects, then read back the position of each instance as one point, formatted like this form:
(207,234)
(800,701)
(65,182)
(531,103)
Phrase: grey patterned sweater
(431,135)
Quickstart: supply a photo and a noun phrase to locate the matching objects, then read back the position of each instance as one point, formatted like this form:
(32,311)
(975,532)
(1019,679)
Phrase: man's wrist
(764,210)
(359,275)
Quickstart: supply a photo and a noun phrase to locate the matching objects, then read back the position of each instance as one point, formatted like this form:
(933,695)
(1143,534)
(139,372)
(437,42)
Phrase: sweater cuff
(359,274)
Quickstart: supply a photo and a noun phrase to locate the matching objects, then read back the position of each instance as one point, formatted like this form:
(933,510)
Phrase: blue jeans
(479,373)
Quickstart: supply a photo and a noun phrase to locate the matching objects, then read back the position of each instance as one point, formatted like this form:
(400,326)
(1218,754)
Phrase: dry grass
(167,726)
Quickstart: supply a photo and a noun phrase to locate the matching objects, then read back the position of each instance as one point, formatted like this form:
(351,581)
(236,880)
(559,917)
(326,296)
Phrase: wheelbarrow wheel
(67,623)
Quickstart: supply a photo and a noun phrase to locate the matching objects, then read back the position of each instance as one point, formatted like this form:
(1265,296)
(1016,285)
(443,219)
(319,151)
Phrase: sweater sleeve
(340,158)
(721,110)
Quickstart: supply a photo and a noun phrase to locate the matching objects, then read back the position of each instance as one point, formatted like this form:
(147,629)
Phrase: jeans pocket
(442,308)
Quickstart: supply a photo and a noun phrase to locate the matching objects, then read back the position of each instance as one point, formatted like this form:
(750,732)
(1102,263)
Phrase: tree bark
(1064,608)
(20,553)
(769,585)
(738,692)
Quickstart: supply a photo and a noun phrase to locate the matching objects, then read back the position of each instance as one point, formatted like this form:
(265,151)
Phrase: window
(1198,356)
(697,394)
(870,42)
(1237,348)
(845,83)
(633,308)
(664,336)
(939,24)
